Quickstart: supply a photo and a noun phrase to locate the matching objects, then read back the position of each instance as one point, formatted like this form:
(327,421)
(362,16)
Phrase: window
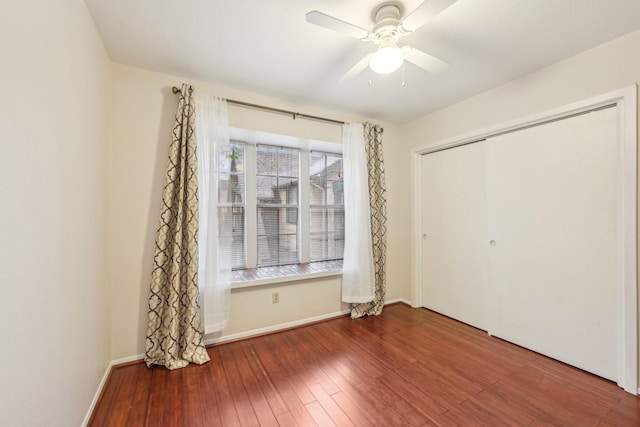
(272,218)
(327,206)
(277,175)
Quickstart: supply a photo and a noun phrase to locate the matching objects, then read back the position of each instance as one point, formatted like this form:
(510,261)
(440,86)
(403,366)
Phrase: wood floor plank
(469,413)
(424,403)
(290,389)
(308,361)
(339,342)
(286,381)
(335,358)
(172,407)
(269,389)
(353,411)
(621,418)
(319,415)
(155,405)
(222,393)
(538,401)
(192,407)
(207,394)
(300,371)
(448,394)
(238,392)
(297,408)
(193,401)
(330,406)
(390,356)
(258,401)
(566,395)
(407,367)
(333,371)
(286,420)
(502,409)
(138,413)
(629,408)
(398,403)
(378,412)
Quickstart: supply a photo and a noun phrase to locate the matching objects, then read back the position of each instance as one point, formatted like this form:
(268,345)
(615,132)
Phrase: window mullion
(305,215)
(251,218)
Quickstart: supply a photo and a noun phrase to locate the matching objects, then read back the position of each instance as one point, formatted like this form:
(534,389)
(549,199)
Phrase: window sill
(286,273)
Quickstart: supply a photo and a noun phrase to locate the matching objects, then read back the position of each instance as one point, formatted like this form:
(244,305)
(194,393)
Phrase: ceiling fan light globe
(386,60)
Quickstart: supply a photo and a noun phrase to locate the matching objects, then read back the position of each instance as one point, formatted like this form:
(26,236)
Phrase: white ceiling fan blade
(423,60)
(358,68)
(426,11)
(335,24)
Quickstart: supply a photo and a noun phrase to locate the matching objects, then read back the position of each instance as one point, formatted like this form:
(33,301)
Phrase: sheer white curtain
(358,284)
(214,248)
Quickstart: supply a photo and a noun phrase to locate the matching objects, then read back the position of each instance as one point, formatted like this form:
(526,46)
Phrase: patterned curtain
(174,329)
(378,204)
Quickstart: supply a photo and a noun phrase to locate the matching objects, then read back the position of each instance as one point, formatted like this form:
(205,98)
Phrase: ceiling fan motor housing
(387,18)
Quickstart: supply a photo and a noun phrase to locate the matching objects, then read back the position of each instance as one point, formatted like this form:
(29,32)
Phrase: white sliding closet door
(454,227)
(553,214)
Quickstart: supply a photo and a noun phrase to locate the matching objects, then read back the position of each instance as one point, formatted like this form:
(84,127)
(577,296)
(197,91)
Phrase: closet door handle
(493,243)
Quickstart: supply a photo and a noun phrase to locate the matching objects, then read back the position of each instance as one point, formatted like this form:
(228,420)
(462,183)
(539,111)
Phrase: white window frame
(253,138)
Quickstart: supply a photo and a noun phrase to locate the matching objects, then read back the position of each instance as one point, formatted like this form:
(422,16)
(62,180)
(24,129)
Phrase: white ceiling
(265,46)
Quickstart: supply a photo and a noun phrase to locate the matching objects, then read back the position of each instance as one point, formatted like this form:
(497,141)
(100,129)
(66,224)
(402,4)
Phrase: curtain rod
(293,114)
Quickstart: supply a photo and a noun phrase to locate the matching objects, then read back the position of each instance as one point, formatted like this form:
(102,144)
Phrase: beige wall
(611,66)
(144,108)
(55,79)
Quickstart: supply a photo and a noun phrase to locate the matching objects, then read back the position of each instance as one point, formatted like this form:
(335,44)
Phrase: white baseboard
(274,328)
(97,395)
(226,338)
(287,325)
(120,361)
(402,300)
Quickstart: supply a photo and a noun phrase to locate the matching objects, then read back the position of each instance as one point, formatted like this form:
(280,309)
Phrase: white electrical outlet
(275,297)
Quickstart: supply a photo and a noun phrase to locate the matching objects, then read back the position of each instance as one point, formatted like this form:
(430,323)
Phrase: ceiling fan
(386,33)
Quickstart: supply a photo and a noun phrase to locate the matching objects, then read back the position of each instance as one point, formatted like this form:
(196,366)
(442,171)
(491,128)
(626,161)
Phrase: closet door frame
(624,101)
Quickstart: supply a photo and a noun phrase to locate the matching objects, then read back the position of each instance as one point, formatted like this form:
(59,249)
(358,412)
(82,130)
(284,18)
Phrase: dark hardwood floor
(407,367)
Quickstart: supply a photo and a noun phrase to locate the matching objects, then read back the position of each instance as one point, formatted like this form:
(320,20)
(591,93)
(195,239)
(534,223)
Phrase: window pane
(267,190)
(291,188)
(234,152)
(277,237)
(288,162)
(277,184)
(326,247)
(277,161)
(232,233)
(230,172)
(327,233)
(266,160)
(231,200)
(327,210)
